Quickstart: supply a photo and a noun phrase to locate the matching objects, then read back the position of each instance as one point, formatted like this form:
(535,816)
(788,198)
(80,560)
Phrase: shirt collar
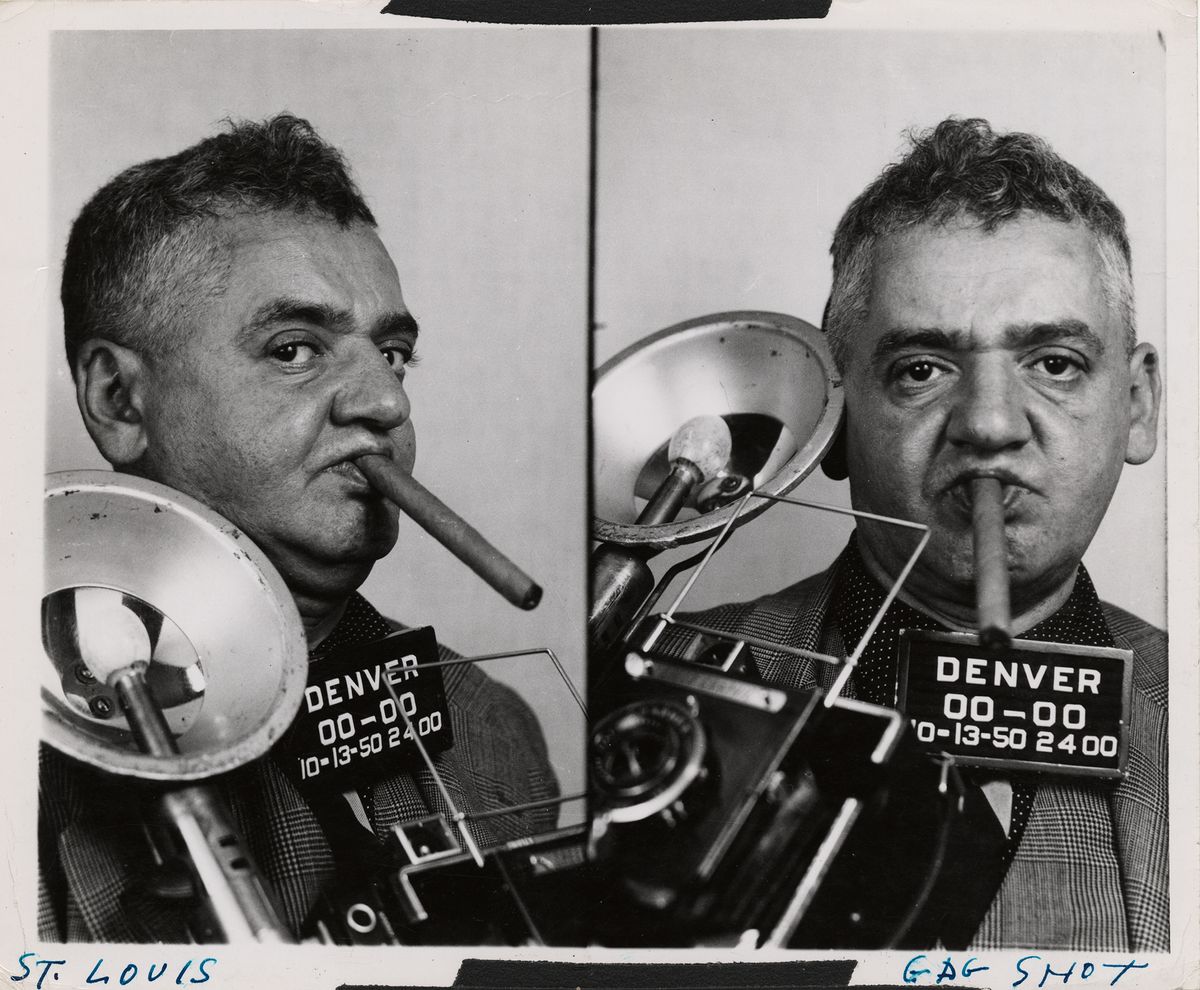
(360,623)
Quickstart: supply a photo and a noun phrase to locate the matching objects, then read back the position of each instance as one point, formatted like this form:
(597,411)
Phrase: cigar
(991,563)
(450,530)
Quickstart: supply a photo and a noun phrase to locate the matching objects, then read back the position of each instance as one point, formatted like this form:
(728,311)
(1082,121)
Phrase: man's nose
(370,391)
(989,411)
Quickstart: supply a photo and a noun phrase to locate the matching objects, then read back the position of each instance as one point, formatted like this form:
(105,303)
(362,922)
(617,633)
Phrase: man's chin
(329,571)
(333,550)
(366,533)
(359,549)
(948,572)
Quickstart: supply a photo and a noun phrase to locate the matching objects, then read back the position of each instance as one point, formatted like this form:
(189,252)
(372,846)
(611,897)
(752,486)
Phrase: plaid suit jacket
(1091,870)
(92,846)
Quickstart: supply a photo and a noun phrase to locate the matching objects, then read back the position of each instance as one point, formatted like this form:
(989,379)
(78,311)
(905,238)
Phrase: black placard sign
(1045,707)
(351,729)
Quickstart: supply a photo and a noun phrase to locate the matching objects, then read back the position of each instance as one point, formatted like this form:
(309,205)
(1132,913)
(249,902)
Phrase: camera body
(727,810)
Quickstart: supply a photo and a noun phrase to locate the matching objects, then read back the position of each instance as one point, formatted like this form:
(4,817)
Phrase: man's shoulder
(500,752)
(807,596)
(1149,646)
(793,615)
(474,689)
(1138,632)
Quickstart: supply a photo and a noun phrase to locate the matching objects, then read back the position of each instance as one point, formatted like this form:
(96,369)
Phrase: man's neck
(318,615)
(960,615)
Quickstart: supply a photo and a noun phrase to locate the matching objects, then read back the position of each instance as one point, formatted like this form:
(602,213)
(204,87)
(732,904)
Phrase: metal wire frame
(459,817)
(849,664)
(664,619)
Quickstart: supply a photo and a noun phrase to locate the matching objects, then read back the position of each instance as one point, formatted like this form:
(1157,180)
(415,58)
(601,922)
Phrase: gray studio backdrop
(471,148)
(726,157)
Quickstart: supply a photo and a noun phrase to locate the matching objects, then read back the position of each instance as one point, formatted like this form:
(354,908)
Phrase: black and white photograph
(962,382)
(668,493)
(352,263)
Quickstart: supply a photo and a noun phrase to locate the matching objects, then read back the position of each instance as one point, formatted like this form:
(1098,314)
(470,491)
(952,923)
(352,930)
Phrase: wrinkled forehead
(962,277)
(297,247)
(227,267)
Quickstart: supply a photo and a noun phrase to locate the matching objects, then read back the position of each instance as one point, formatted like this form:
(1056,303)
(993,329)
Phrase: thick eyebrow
(338,320)
(1015,336)
(396,325)
(1054,332)
(919,338)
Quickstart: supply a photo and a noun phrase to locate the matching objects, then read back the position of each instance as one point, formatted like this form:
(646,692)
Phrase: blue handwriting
(101,973)
(920,969)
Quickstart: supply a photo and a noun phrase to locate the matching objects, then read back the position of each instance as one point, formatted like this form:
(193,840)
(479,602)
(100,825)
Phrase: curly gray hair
(143,246)
(964,169)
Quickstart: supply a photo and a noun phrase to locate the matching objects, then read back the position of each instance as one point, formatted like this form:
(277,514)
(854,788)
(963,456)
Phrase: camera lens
(644,756)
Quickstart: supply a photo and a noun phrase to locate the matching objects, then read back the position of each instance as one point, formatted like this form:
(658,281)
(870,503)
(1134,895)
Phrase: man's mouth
(346,468)
(1012,488)
(350,472)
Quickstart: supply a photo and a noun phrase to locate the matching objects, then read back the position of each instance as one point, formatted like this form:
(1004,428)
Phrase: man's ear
(110,382)
(833,464)
(1145,393)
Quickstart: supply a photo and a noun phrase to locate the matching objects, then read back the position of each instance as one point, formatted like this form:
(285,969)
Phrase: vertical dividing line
(593,108)
(590,349)
(590,355)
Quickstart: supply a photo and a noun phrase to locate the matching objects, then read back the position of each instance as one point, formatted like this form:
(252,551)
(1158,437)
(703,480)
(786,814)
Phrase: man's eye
(918,373)
(399,355)
(294,352)
(1058,366)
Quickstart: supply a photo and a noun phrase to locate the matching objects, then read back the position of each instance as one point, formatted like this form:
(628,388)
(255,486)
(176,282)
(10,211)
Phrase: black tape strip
(608,11)
(488,974)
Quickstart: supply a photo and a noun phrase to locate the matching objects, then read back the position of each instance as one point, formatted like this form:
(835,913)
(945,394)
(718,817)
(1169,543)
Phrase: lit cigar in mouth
(991,563)
(450,530)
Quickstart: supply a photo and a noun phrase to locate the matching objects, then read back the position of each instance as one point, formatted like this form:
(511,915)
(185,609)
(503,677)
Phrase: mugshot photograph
(571,491)
(972,375)
(235,231)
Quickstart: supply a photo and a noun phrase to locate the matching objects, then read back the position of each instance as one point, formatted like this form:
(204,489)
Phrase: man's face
(277,382)
(988,354)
